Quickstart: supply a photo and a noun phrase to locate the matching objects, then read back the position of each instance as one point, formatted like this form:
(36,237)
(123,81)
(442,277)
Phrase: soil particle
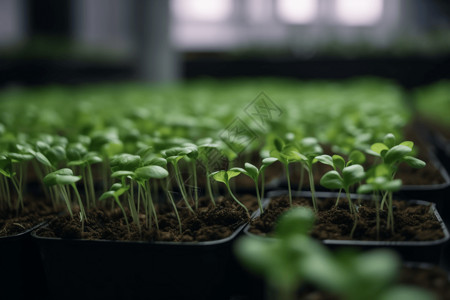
(411,222)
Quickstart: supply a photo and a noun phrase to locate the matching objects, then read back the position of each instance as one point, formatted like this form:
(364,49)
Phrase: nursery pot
(101,269)
(21,271)
(423,251)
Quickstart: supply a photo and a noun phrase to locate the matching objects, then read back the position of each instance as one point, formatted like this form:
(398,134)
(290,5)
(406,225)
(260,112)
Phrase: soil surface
(210,223)
(35,211)
(411,222)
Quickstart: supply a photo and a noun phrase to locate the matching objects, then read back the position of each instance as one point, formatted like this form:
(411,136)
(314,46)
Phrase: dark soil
(432,279)
(210,223)
(35,212)
(411,222)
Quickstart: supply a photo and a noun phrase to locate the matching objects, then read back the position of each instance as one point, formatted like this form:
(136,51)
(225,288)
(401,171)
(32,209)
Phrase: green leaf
(231,174)
(414,162)
(147,172)
(357,157)
(240,170)
(156,161)
(279,144)
(220,176)
(378,147)
(332,180)
(325,159)
(56,179)
(106,195)
(120,174)
(406,293)
(352,174)
(393,185)
(63,171)
(365,188)
(389,140)
(19,157)
(396,153)
(408,144)
(268,161)
(76,163)
(297,220)
(338,162)
(42,159)
(252,170)
(125,162)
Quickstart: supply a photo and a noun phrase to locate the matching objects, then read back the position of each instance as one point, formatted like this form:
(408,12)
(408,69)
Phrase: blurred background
(84,41)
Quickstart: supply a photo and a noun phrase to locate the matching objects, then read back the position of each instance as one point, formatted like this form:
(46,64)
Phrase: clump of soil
(209,223)
(35,211)
(411,222)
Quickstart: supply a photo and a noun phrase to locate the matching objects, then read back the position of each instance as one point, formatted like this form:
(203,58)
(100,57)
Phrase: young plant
(117,190)
(224,177)
(192,156)
(173,156)
(343,177)
(77,155)
(392,155)
(385,186)
(12,166)
(254,173)
(208,151)
(351,174)
(286,154)
(64,177)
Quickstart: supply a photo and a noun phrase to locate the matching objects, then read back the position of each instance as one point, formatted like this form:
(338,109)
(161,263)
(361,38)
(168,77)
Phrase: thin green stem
(86,192)
(262,183)
(169,195)
(313,189)
(258,197)
(123,212)
(181,187)
(302,175)
(286,167)
(91,184)
(208,187)
(152,207)
(80,203)
(194,171)
(238,202)
(66,200)
(338,198)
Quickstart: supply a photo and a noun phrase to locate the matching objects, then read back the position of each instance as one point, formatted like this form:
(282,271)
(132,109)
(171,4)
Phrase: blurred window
(297,11)
(359,12)
(202,10)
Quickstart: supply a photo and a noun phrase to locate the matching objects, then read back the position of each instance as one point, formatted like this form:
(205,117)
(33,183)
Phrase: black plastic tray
(101,269)
(423,251)
(21,271)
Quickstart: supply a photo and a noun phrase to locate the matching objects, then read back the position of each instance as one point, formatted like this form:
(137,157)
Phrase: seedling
(64,177)
(117,190)
(253,172)
(392,155)
(173,156)
(224,177)
(343,177)
(205,150)
(78,156)
(386,186)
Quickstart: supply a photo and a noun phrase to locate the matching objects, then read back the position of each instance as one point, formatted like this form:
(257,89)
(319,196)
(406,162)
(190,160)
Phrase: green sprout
(205,150)
(64,177)
(78,156)
(224,177)
(254,173)
(173,156)
(117,190)
(12,166)
(392,155)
